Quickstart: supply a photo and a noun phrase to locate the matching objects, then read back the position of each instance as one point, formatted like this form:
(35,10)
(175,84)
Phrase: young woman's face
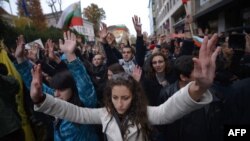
(63,94)
(121,98)
(97,60)
(158,64)
(110,38)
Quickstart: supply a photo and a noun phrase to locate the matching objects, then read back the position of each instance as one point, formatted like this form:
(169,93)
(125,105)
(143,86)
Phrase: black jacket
(190,127)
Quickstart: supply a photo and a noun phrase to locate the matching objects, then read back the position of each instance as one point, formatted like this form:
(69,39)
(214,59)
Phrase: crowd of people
(157,89)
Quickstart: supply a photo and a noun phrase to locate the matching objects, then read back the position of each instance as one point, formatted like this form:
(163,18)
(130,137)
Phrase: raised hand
(36,84)
(69,45)
(188,19)
(204,67)
(136,74)
(103,31)
(50,46)
(137,24)
(19,53)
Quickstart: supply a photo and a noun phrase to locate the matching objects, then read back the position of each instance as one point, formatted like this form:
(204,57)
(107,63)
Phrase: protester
(192,126)
(130,58)
(76,88)
(11,128)
(126,102)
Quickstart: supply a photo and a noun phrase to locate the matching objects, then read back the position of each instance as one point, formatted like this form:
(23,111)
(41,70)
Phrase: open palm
(103,31)
(137,24)
(204,66)
(36,84)
(19,53)
(69,44)
(50,45)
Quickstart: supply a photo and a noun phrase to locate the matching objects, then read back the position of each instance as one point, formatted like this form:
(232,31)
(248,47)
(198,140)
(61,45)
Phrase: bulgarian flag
(184,1)
(120,27)
(197,41)
(71,16)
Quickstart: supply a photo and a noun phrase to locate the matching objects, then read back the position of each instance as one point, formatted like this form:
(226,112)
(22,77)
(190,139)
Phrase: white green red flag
(197,40)
(71,16)
(184,1)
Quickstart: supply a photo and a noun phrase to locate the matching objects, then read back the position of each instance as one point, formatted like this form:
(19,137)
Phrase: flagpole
(190,24)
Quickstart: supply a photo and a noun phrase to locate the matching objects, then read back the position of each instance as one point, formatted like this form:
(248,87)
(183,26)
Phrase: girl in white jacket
(126,115)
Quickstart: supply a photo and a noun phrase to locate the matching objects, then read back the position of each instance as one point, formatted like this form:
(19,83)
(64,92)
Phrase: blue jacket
(69,131)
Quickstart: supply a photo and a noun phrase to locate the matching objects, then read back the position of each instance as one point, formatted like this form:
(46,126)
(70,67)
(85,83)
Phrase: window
(170,4)
(168,7)
(202,2)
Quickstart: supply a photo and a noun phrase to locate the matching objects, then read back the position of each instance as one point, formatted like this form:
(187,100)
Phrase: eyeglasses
(159,62)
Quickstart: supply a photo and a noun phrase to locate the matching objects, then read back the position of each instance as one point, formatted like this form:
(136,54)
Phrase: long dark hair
(137,113)
(149,70)
(63,80)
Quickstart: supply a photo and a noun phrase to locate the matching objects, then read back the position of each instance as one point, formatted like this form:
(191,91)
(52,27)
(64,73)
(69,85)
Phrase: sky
(117,11)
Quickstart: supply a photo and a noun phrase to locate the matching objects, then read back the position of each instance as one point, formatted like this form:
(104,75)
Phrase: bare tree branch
(60,4)
(51,4)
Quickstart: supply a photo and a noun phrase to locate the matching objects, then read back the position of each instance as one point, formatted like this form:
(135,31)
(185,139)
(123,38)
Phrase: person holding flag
(188,20)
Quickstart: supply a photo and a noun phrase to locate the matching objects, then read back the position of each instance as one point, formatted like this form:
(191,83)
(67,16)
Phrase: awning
(211,8)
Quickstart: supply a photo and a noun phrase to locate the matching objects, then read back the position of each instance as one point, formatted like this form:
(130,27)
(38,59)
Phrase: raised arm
(204,68)
(110,53)
(23,66)
(59,108)
(196,93)
(140,47)
(84,84)
(188,27)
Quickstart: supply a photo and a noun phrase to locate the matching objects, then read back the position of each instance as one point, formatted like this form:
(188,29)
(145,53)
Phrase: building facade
(214,15)
(52,18)
(151,7)
(167,16)
(5,16)
(222,15)
(87,29)
(121,33)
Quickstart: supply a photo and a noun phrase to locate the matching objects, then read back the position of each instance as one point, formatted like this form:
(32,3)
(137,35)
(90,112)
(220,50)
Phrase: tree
(37,14)
(51,4)
(22,22)
(6,29)
(95,15)
(60,4)
(34,11)
(20,8)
